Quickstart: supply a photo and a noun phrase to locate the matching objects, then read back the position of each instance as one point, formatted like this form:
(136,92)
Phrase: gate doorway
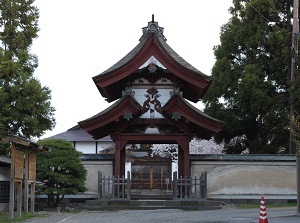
(151,176)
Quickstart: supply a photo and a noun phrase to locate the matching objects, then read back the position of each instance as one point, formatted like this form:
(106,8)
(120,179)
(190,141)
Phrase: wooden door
(150,176)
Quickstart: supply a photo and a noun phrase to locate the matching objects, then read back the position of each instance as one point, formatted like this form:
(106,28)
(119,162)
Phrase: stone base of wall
(254,199)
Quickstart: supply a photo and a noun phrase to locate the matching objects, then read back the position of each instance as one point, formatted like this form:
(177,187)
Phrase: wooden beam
(12,182)
(19,198)
(16,139)
(26,170)
(32,197)
(298,183)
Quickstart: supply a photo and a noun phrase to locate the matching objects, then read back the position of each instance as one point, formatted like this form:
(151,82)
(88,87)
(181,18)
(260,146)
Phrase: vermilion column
(120,157)
(183,159)
(117,171)
(122,161)
(186,160)
(180,161)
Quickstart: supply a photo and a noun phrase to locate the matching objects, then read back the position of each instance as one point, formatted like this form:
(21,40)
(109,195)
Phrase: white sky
(80,39)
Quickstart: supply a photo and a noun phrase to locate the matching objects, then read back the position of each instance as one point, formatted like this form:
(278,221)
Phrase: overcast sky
(80,39)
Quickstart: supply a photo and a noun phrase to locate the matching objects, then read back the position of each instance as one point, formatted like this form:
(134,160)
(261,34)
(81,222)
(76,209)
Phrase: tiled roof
(164,44)
(125,59)
(110,108)
(5,160)
(180,60)
(77,134)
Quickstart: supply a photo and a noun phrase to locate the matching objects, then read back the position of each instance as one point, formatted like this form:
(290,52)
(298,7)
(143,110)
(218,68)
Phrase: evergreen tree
(60,171)
(25,103)
(251,87)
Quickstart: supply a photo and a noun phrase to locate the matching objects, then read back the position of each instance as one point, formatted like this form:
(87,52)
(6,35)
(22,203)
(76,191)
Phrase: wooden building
(149,89)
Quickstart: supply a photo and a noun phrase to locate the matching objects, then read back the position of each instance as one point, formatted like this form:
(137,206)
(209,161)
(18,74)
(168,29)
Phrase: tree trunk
(51,202)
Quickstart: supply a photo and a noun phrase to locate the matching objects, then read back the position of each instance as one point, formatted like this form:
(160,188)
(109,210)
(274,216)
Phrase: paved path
(275,215)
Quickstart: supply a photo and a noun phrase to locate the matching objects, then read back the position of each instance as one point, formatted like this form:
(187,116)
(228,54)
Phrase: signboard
(32,166)
(19,164)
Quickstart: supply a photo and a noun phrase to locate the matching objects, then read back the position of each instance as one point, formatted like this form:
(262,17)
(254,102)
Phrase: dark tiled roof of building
(110,108)
(125,59)
(199,111)
(180,60)
(5,160)
(167,48)
(77,134)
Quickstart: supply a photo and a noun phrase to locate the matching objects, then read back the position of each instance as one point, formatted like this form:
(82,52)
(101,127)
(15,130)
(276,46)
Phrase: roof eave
(178,105)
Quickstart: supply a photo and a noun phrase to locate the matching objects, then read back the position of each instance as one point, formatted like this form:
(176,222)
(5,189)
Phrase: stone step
(148,207)
(151,204)
(150,197)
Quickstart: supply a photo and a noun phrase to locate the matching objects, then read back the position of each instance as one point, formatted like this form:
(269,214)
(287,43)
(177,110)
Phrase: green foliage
(24,216)
(60,171)
(25,103)
(251,87)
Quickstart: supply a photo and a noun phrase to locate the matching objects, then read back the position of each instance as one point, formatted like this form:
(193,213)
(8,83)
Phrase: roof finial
(153,27)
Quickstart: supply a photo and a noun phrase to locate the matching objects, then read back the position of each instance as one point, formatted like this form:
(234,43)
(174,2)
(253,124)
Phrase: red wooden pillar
(120,157)
(183,159)
(117,160)
(122,160)
(180,161)
(117,171)
(186,160)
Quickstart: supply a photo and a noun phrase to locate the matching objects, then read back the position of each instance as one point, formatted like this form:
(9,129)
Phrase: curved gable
(194,82)
(123,110)
(177,107)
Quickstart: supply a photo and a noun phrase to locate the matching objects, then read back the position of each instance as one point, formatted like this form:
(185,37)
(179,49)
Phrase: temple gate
(150,88)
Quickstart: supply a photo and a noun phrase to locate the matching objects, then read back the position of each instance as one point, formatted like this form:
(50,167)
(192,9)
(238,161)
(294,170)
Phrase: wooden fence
(112,187)
(190,187)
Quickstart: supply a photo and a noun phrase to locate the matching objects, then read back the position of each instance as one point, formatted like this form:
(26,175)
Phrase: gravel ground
(226,215)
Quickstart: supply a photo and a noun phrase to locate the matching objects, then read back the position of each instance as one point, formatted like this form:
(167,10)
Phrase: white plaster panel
(86,147)
(248,178)
(163,99)
(139,95)
(152,59)
(92,167)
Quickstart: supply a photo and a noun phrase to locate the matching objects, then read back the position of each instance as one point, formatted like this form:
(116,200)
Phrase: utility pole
(292,148)
(295,34)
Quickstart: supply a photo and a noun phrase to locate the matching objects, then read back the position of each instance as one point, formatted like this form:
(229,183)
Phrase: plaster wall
(247,178)
(4,173)
(90,147)
(163,99)
(86,147)
(92,167)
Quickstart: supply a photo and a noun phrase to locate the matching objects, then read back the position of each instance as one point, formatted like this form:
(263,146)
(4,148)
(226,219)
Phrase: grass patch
(272,205)
(24,216)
